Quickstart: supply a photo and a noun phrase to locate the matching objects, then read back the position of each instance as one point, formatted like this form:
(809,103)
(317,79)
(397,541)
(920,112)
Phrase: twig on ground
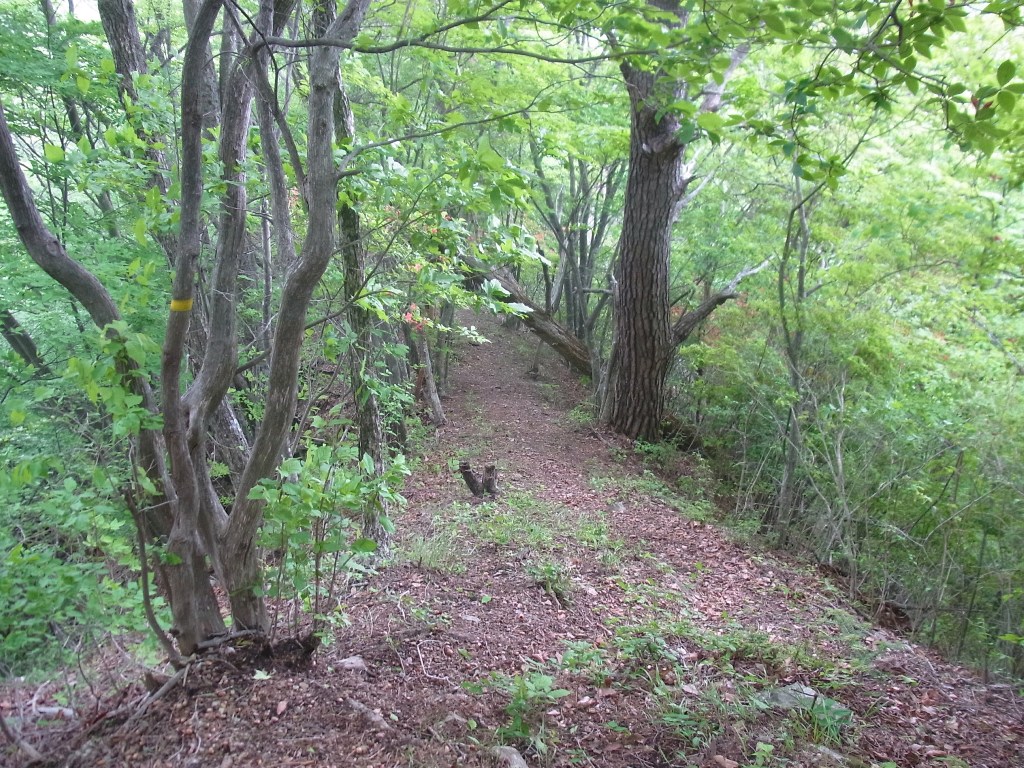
(214,642)
(164,689)
(424,667)
(33,754)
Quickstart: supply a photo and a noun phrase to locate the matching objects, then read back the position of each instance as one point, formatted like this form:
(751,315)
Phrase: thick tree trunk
(122,32)
(643,345)
(186,575)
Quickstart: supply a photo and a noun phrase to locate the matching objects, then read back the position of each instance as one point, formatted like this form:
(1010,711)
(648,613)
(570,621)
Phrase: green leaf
(83,83)
(710,121)
(1006,72)
(488,157)
(290,467)
(139,230)
(364,546)
(17,417)
(367,464)
(774,23)
(53,153)
(1006,100)
(687,130)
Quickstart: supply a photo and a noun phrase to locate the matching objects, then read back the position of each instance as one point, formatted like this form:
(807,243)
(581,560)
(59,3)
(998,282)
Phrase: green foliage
(313,512)
(895,405)
(860,400)
(67,541)
(530,696)
(67,561)
(553,577)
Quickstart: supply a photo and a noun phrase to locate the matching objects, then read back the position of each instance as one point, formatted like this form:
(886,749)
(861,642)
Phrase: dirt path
(581,618)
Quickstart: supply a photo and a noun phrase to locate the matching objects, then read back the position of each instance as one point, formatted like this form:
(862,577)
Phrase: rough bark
(645,341)
(480,484)
(122,32)
(491,479)
(473,481)
(641,353)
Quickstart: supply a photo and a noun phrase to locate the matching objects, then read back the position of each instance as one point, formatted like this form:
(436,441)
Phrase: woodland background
(785,237)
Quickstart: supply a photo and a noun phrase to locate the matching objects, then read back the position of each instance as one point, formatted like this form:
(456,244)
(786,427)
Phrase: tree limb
(570,348)
(687,324)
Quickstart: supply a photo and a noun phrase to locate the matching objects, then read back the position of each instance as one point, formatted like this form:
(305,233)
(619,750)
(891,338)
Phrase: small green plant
(762,756)
(824,721)
(695,728)
(583,415)
(660,455)
(311,513)
(585,658)
(530,696)
(641,644)
(552,577)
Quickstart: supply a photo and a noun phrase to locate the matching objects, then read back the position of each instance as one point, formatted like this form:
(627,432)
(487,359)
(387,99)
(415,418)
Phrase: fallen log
(568,347)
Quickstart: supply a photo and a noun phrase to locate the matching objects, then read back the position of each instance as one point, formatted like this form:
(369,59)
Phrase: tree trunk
(429,384)
(643,345)
(246,518)
(21,342)
(564,342)
(122,32)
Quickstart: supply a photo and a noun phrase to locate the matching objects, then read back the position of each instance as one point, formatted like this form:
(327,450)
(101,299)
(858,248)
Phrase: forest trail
(590,615)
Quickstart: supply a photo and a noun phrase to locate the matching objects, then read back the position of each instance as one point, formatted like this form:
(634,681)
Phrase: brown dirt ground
(683,620)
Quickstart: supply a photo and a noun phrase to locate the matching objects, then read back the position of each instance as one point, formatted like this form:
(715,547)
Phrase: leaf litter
(657,628)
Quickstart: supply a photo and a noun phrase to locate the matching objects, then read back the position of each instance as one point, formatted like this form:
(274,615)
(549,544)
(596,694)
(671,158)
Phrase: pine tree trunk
(643,345)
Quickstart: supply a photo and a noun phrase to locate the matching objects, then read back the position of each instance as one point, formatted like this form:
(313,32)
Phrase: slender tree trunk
(21,342)
(238,539)
(429,385)
(211,107)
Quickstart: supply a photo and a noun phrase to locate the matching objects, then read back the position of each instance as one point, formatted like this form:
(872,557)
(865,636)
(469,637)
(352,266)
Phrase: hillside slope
(587,616)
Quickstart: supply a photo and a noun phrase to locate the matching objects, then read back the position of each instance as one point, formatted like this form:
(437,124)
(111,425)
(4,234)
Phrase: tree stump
(491,479)
(478,485)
